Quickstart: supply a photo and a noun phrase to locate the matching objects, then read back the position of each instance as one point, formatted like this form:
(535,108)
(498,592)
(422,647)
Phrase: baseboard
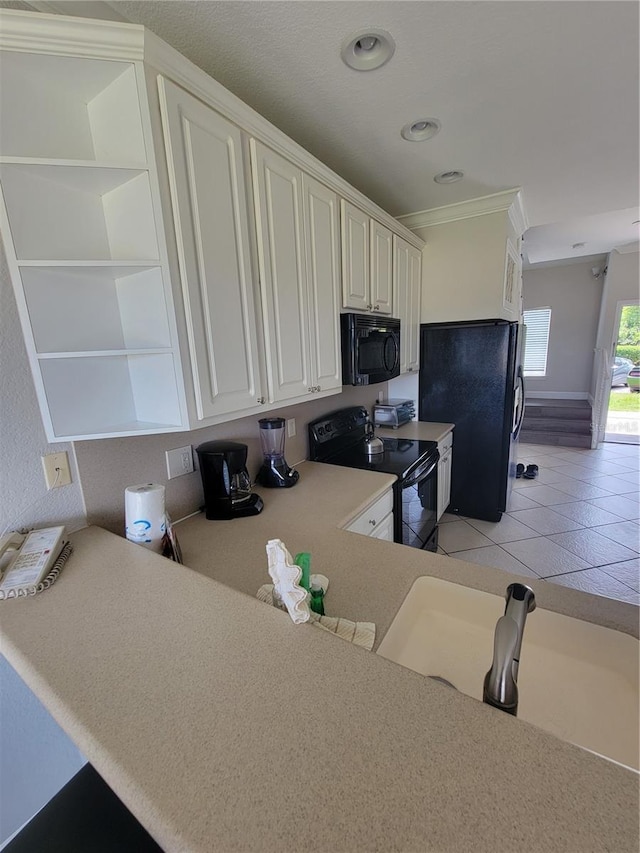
(557,395)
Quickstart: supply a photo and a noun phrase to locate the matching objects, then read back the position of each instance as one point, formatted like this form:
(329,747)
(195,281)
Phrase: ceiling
(542,95)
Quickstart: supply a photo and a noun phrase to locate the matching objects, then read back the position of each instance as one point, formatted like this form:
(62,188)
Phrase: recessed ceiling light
(368,49)
(449,177)
(578,246)
(421,129)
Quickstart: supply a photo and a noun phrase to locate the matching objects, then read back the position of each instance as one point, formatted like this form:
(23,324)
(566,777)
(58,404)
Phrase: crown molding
(99,9)
(65,36)
(507,200)
(628,248)
(168,61)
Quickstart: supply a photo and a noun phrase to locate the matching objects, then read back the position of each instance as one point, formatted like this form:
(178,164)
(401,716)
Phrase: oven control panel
(336,429)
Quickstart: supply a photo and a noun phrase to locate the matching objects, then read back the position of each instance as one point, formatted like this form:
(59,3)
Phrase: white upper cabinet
(367,262)
(322,242)
(297,229)
(381,268)
(210,211)
(356,288)
(407,283)
(82,226)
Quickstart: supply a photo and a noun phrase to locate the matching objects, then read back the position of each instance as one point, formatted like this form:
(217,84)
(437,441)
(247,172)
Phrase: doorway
(623,412)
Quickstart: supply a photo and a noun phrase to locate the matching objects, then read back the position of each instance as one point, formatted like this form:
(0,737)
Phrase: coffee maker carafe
(274,472)
(225,480)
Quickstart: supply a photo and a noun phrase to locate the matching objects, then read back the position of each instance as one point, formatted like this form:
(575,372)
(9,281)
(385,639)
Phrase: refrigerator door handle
(516,432)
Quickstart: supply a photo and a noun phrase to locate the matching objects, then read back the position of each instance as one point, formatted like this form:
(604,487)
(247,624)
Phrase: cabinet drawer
(445,444)
(373,515)
(384,530)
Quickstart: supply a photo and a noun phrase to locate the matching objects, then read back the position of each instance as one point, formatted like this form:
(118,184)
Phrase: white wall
(108,466)
(621,284)
(36,757)
(574,296)
(24,500)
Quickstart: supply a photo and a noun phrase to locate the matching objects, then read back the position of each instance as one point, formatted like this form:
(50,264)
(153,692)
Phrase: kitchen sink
(577,680)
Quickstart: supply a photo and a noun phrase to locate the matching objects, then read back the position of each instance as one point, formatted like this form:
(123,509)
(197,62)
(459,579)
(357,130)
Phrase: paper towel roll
(145,515)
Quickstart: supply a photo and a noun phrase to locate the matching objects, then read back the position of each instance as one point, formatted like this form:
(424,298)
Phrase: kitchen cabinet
(407,289)
(445,449)
(367,262)
(473,267)
(377,519)
(298,250)
(134,244)
(81,219)
(211,216)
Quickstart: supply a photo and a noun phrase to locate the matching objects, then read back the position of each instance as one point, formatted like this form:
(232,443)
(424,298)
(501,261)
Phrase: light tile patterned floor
(577,523)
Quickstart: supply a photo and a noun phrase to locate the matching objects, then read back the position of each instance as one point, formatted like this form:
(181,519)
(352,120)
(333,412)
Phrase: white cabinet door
(384,530)
(279,213)
(412,334)
(208,194)
(444,474)
(322,239)
(407,287)
(355,258)
(381,268)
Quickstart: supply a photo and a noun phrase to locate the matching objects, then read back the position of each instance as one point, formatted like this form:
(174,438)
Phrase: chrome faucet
(500,683)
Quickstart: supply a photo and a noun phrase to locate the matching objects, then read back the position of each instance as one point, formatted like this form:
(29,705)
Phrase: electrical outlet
(291,427)
(56,470)
(179,461)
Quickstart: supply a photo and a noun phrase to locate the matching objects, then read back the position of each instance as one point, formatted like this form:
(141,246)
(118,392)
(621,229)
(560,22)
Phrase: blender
(274,473)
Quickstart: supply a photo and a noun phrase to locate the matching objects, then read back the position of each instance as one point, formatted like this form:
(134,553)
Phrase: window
(536,347)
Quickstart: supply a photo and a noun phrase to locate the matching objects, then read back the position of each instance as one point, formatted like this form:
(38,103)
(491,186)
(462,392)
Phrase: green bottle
(303,560)
(317,600)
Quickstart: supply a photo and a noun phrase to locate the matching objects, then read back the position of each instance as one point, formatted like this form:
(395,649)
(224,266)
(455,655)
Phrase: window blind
(538,323)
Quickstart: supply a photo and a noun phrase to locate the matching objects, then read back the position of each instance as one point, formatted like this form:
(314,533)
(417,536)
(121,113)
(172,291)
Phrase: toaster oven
(394,413)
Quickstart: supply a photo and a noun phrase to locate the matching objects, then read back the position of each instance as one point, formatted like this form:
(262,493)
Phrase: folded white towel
(286,581)
(360,633)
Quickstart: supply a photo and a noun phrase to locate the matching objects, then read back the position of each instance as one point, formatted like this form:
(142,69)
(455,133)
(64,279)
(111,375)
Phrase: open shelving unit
(80,217)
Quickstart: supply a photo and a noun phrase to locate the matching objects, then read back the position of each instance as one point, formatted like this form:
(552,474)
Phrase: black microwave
(370,348)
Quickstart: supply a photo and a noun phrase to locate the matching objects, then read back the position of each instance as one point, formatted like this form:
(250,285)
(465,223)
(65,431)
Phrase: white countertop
(223,726)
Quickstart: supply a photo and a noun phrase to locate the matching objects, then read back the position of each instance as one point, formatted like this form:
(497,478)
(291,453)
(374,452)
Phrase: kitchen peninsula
(223,726)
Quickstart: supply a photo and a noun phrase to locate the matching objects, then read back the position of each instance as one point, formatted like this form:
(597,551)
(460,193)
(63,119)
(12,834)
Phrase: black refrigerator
(471,375)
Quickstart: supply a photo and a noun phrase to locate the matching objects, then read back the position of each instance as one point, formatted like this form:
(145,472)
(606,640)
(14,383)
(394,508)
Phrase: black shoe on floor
(531,472)
(519,470)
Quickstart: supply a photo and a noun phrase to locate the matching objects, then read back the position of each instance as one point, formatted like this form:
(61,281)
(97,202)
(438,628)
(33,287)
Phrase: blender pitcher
(274,472)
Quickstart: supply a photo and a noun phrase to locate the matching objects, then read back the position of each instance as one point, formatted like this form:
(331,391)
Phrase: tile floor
(577,523)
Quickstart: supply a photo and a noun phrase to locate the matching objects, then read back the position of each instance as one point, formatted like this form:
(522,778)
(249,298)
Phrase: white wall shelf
(111,395)
(82,221)
(68,107)
(114,308)
(81,213)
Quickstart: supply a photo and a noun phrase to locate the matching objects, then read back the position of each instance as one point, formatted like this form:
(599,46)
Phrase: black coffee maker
(226,482)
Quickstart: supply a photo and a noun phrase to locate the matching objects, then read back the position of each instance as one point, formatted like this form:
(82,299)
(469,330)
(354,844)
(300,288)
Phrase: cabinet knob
(310,390)
(410,369)
(318,388)
(372,522)
(376,307)
(369,307)
(262,400)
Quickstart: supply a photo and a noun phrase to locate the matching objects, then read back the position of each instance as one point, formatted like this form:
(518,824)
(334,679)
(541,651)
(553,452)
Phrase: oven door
(415,507)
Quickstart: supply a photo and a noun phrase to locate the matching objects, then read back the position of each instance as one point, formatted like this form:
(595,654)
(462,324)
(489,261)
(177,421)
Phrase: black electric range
(339,438)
